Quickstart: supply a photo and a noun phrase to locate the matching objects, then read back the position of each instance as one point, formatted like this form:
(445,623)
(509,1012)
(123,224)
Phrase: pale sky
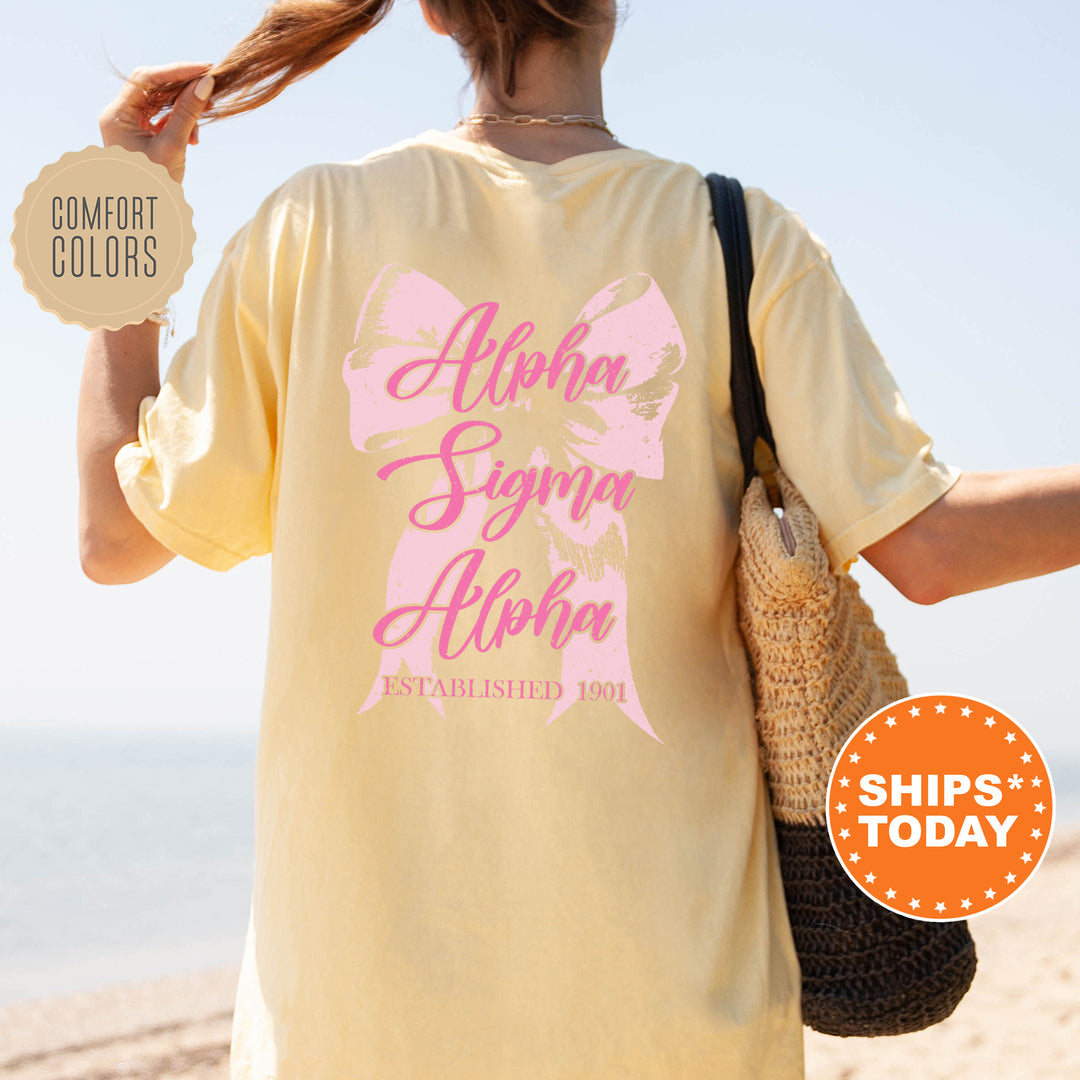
(932,146)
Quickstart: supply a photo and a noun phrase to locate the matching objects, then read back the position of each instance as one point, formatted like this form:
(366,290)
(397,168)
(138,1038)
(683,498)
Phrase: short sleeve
(201,476)
(844,434)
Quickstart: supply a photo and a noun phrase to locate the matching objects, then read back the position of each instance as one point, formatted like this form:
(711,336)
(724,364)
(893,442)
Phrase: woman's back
(510,819)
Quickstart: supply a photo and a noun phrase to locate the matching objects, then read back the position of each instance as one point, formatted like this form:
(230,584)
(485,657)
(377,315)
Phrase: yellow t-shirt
(510,823)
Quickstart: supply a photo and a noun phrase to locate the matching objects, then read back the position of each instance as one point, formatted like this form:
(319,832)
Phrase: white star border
(856,865)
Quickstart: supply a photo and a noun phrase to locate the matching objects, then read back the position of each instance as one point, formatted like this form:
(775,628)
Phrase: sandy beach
(1021,1018)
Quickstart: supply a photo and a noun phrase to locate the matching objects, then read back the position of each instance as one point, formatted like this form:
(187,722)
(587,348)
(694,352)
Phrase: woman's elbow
(123,564)
(926,586)
(915,561)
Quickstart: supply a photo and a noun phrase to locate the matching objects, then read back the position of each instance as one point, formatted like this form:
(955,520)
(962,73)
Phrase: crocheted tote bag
(820,667)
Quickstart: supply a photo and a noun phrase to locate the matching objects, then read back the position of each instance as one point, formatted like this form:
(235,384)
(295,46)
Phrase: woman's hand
(128,120)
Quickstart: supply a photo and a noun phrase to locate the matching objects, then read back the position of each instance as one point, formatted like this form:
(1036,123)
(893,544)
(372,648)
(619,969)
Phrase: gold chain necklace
(555,120)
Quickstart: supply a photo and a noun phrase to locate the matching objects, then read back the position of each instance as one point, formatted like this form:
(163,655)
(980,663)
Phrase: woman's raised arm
(121,366)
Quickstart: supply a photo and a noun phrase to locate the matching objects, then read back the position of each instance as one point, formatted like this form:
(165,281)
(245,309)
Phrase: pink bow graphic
(614,425)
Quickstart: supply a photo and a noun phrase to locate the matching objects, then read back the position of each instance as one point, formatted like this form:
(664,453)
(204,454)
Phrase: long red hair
(296,37)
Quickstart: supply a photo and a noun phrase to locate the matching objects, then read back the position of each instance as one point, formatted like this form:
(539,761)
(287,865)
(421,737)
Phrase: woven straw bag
(820,667)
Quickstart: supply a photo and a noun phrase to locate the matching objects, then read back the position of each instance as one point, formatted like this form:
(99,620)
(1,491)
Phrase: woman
(471,391)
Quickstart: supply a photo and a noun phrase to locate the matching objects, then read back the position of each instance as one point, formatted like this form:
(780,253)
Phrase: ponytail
(296,37)
(293,39)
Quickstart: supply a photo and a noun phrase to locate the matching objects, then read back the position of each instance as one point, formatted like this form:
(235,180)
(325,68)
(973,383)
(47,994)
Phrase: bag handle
(756,443)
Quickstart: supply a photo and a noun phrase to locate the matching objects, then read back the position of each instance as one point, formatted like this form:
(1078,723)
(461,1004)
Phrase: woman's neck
(549,81)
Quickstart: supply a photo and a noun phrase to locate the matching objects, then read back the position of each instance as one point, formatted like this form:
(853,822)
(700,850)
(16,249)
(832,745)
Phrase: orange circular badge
(940,807)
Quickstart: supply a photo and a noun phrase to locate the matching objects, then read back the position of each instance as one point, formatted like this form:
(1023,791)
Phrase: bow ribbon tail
(419,557)
(597,550)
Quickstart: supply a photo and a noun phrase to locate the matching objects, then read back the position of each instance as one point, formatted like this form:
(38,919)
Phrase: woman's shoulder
(782,244)
(312,188)
(784,248)
(397,155)
(772,217)
(308,182)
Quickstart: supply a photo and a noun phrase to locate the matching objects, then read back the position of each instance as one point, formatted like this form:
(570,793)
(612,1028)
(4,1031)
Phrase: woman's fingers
(184,115)
(131,106)
(144,79)
(128,120)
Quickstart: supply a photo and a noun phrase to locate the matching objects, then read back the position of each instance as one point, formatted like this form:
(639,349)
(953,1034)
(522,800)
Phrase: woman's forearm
(1005,526)
(989,528)
(121,368)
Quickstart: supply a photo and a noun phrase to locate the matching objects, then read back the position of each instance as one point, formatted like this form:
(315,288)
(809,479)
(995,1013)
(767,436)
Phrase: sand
(1021,1018)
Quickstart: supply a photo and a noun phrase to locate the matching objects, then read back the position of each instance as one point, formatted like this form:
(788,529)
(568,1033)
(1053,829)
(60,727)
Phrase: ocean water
(129,856)
(122,856)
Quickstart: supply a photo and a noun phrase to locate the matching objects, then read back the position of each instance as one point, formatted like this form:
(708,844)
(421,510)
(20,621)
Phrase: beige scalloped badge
(103,237)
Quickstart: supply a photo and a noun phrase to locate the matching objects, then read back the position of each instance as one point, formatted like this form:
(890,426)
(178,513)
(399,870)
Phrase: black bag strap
(747,393)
